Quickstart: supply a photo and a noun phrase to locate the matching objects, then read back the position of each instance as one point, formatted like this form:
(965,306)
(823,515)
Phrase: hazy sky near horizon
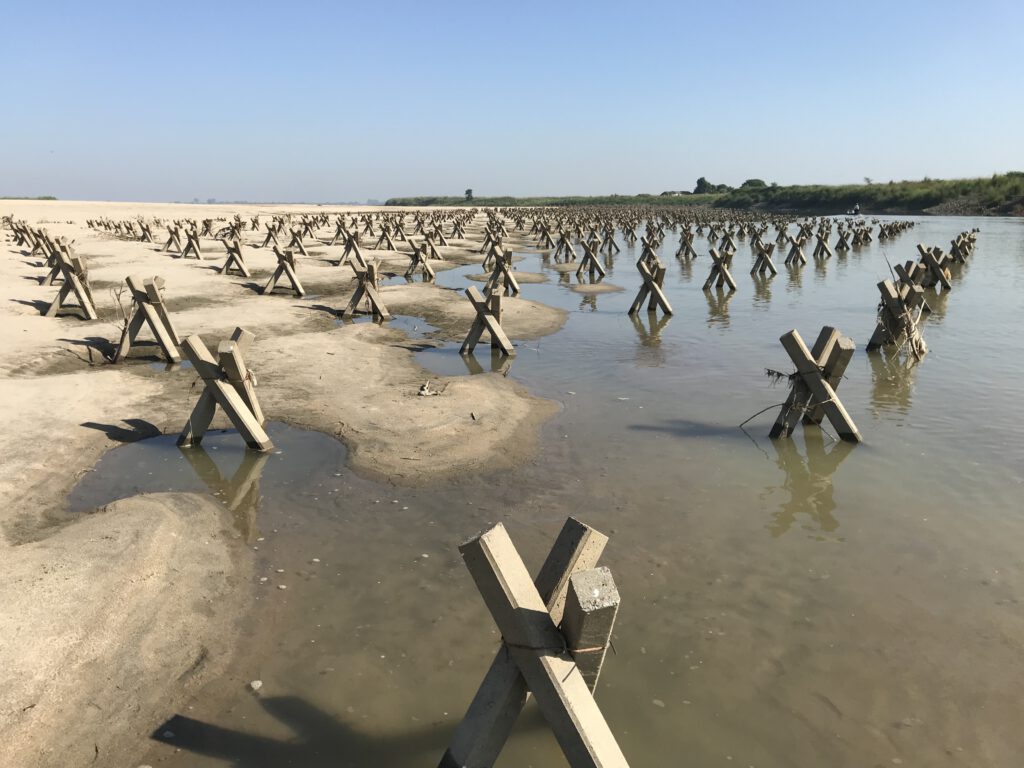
(323,101)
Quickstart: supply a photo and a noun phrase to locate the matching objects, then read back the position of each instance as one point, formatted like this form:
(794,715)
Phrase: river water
(788,603)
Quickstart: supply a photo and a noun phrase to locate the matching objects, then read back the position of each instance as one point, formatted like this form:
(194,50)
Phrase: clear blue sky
(325,101)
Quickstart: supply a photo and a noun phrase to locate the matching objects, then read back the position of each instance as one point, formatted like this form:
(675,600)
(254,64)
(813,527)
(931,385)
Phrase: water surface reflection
(808,482)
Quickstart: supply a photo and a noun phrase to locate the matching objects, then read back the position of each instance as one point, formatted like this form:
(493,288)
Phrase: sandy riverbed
(108,620)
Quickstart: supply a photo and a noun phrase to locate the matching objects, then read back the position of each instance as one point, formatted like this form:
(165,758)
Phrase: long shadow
(320,741)
(37,304)
(104,346)
(690,428)
(320,308)
(140,429)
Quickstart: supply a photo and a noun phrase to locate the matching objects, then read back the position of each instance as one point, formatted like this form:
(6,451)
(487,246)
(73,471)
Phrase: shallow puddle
(165,367)
(413,327)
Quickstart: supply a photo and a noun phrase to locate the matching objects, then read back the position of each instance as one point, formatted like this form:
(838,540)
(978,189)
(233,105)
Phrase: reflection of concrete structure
(809,483)
(762,290)
(651,353)
(794,280)
(500,363)
(586,278)
(936,304)
(718,306)
(892,381)
(686,269)
(241,494)
(589,299)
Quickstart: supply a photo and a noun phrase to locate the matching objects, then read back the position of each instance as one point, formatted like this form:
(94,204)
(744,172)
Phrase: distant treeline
(555,201)
(16,197)
(1000,194)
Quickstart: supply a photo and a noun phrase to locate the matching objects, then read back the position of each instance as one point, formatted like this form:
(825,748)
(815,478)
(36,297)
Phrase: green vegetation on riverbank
(41,197)
(1000,194)
(556,201)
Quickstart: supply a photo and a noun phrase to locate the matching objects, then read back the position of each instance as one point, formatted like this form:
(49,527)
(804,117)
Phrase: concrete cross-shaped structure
(76,280)
(285,268)
(559,667)
(148,305)
(813,393)
(227,383)
(367,281)
(720,274)
(488,318)
(235,261)
(653,276)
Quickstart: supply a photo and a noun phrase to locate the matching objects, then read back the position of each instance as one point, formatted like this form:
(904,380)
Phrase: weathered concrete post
(935,264)
(235,260)
(503,693)
(589,262)
(418,261)
(720,274)
(796,252)
(227,383)
(813,387)
(590,610)
(192,246)
(366,287)
(538,651)
(502,274)
(488,318)
(76,280)
(286,268)
(352,255)
(653,279)
(899,318)
(148,304)
(763,262)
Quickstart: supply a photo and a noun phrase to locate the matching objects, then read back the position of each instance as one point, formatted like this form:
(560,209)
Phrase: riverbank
(999,195)
(122,599)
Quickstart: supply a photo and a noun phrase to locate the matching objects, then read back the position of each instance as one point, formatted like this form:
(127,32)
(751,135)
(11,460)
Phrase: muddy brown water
(787,603)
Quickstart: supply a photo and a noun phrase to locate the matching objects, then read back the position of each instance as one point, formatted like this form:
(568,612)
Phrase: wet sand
(66,406)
